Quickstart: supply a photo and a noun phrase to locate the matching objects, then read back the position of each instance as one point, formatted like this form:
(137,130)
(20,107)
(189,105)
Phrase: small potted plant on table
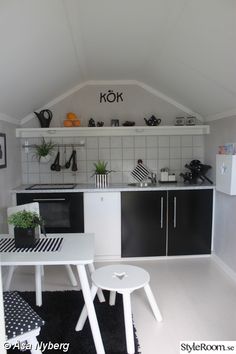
(44,150)
(26,228)
(101,174)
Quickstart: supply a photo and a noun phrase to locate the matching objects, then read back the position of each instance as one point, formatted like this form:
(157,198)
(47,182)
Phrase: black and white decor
(3,152)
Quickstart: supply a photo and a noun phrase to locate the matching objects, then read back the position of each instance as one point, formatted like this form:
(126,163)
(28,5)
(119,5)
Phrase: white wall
(10,176)
(137,104)
(223,131)
(121,153)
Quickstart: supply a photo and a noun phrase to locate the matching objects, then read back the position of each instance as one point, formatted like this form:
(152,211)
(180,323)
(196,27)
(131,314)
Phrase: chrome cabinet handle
(174,212)
(162,212)
(49,199)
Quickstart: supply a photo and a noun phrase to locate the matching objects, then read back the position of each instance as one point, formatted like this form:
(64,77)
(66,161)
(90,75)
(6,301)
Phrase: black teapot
(45,117)
(91,123)
(153,121)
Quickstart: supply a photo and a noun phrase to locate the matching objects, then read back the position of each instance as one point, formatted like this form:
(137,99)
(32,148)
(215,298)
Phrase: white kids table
(57,249)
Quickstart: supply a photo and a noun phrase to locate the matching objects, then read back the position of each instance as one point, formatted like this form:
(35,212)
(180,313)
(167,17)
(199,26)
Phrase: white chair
(123,279)
(35,208)
(22,323)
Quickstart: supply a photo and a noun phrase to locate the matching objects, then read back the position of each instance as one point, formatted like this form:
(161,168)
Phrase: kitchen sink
(142,184)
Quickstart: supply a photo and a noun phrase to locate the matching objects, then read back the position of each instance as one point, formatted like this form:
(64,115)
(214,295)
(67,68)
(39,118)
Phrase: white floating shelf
(112,131)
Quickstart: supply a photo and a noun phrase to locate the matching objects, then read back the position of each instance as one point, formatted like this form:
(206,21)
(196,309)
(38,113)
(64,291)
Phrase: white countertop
(118,187)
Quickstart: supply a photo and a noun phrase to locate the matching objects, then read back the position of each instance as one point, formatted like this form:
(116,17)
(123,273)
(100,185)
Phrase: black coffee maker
(197,172)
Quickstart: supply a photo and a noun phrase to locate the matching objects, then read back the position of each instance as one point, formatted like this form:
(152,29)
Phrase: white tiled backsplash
(121,153)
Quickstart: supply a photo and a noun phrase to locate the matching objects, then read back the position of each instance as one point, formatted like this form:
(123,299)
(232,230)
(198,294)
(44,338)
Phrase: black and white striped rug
(47,244)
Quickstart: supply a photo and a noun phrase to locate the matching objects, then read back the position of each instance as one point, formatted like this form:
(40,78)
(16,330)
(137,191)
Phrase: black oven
(61,212)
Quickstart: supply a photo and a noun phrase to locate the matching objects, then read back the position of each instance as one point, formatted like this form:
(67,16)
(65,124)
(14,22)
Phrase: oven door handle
(48,199)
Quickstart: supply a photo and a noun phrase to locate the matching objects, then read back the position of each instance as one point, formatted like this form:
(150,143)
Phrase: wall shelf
(112,131)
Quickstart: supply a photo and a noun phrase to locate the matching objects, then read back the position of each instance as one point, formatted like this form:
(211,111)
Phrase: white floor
(196,298)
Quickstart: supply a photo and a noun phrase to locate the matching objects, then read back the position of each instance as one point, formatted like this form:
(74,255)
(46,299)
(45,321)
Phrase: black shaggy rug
(61,310)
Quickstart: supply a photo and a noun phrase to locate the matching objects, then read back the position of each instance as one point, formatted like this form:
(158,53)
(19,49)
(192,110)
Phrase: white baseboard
(224,267)
(118,258)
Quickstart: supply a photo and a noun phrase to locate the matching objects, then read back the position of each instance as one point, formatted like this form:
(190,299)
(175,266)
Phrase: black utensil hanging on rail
(56,165)
(67,164)
(74,163)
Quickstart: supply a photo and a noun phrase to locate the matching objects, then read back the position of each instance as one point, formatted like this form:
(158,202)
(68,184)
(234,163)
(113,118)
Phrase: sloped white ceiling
(185,49)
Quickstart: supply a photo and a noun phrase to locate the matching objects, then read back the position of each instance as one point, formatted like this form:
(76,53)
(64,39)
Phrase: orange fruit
(76,123)
(71,116)
(68,123)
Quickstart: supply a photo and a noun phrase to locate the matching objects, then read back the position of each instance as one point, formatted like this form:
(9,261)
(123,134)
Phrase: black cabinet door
(143,224)
(189,222)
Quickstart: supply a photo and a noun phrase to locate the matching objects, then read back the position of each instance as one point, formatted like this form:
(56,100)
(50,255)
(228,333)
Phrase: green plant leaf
(25,219)
(44,148)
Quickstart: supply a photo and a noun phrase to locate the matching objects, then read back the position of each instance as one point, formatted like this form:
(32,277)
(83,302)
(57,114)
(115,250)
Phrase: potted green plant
(26,228)
(101,174)
(44,150)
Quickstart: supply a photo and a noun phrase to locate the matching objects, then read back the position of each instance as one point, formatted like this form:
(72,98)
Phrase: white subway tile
(128,153)
(175,164)
(57,177)
(187,152)
(140,141)
(116,154)
(187,140)
(25,178)
(139,153)
(152,165)
(164,163)
(198,153)
(92,154)
(128,165)
(33,167)
(152,141)
(116,141)
(175,152)
(198,140)
(128,141)
(164,141)
(152,153)
(104,154)
(104,142)
(116,177)
(92,142)
(116,165)
(175,141)
(46,177)
(164,153)
(81,177)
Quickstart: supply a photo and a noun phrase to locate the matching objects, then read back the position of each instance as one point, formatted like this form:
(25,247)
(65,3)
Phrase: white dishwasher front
(102,216)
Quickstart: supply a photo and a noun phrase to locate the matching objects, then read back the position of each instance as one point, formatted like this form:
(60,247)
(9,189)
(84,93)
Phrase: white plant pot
(101,181)
(45,159)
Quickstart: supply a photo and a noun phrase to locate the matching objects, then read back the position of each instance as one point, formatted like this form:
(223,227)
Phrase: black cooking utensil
(67,165)
(74,163)
(56,165)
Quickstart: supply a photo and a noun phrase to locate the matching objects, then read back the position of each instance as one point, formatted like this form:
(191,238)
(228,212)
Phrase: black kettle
(44,117)
(153,121)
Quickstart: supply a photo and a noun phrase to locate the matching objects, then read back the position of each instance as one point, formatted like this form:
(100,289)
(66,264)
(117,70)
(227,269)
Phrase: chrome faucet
(153,178)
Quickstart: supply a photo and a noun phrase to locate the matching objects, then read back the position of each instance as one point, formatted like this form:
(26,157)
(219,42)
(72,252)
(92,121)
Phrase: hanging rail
(56,145)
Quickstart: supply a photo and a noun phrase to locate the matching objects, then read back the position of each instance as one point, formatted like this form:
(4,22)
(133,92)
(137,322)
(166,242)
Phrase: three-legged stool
(123,279)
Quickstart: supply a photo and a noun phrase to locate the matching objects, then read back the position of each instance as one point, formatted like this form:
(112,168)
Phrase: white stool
(123,279)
